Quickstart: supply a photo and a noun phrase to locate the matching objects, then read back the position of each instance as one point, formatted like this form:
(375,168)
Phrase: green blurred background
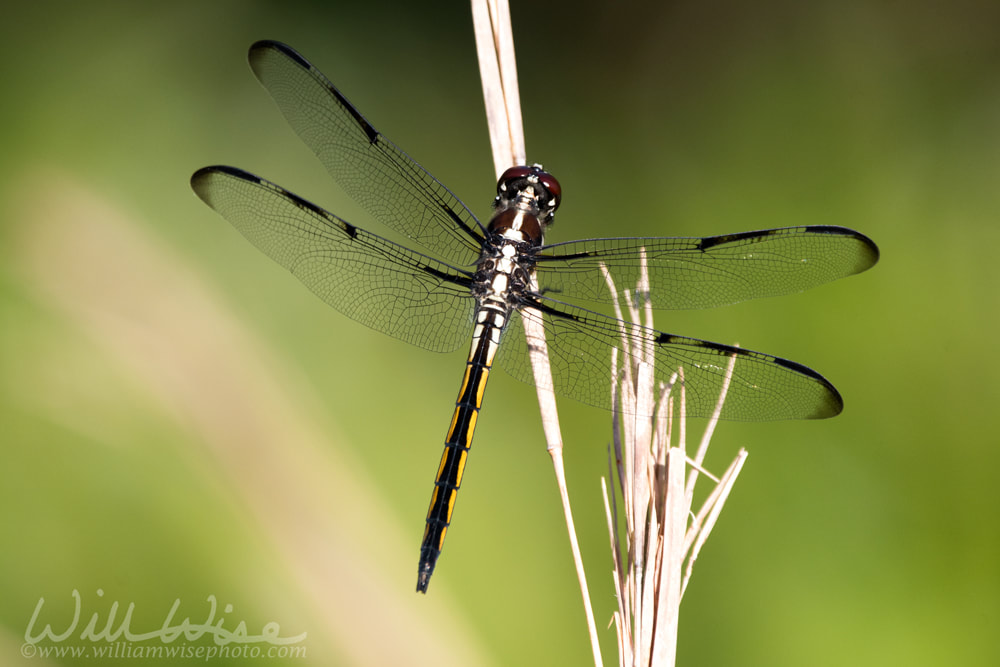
(180,418)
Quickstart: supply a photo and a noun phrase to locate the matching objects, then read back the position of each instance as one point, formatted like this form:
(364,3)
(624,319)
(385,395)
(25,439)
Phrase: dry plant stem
(713,505)
(498,70)
(611,512)
(664,647)
(649,568)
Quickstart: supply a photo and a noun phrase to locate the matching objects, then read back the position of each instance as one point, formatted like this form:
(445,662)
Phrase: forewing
(387,182)
(370,279)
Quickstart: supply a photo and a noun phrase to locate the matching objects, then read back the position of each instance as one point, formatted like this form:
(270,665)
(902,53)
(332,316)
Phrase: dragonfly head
(530,188)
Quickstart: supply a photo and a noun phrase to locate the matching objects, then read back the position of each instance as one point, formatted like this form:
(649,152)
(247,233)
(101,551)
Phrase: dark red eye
(513,174)
(550,183)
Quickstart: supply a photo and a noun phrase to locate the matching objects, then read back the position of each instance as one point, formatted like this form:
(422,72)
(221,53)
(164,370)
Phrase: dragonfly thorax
(518,223)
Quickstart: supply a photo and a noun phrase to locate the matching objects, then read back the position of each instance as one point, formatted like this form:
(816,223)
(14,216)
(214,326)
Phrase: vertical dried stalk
(497,67)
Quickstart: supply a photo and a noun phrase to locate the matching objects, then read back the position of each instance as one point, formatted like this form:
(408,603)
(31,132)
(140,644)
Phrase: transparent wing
(374,281)
(686,273)
(396,190)
(580,344)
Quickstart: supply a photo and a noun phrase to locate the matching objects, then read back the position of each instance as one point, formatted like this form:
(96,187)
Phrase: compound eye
(513,174)
(550,183)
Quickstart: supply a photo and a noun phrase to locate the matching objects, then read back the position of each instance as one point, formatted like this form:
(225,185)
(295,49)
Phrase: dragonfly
(474,282)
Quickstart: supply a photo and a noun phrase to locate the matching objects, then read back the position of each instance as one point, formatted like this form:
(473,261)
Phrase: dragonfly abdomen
(490,322)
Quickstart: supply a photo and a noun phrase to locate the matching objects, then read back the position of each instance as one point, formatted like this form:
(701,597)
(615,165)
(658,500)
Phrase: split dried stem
(498,70)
